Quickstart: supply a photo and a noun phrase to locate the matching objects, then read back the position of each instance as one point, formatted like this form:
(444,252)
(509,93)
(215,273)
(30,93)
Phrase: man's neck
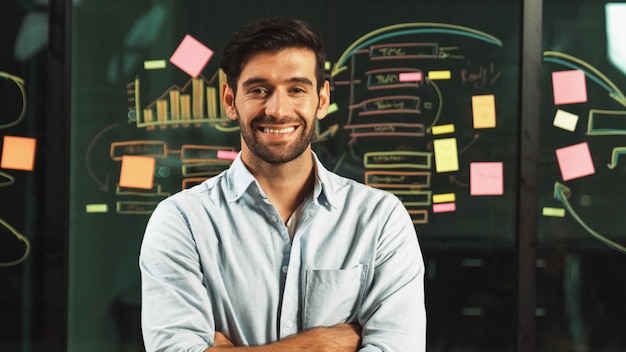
(286,185)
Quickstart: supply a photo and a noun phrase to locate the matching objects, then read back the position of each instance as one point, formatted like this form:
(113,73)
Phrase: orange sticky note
(137,171)
(575,161)
(191,56)
(484,111)
(18,153)
(569,87)
(486,179)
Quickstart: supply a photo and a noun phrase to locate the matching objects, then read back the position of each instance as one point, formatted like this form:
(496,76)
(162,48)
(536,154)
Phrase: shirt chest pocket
(332,296)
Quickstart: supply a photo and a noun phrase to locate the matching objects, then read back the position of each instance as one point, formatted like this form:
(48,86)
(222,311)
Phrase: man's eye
(258,91)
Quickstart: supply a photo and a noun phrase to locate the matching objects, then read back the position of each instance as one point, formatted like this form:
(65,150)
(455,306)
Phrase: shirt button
(289,324)
(284,269)
(273,218)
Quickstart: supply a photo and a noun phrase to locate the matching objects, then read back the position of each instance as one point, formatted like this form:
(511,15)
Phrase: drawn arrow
(615,155)
(439,108)
(406,29)
(329,133)
(474,139)
(6,179)
(20,84)
(455,181)
(103,184)
(19,237)
(590,71)
(562,194)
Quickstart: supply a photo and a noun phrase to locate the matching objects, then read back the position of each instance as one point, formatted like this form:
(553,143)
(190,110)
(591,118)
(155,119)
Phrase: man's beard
(286,153)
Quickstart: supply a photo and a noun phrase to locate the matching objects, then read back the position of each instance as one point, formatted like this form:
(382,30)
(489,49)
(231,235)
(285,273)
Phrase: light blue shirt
(217,257)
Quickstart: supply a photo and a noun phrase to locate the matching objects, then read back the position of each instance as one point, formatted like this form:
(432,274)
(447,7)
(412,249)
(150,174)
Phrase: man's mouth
(278,131)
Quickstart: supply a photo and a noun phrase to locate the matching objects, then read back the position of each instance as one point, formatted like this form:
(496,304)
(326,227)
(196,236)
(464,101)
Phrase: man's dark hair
(270,35)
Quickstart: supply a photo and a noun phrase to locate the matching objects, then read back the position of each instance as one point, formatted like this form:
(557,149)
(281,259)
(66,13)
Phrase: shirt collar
(240,181)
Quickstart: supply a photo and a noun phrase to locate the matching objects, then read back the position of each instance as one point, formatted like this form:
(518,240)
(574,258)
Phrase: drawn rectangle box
(387,129)
(155,191)
(396,51)
(192,181)
(202,153)
(398,179)
(606,122)
(204,169)
(134,207)
(411,198)
(400,104)
(156,149)
(397,160)
(391,78)
(418,216)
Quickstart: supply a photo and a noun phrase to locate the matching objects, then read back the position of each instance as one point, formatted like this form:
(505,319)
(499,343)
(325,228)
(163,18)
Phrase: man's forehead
(286,64)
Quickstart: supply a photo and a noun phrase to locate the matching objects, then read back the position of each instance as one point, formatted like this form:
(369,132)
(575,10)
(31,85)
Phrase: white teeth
(282,131)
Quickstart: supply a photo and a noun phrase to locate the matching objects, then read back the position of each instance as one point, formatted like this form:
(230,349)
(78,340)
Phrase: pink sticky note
(191,56)
(410,77)
(227,154)
(569,87)
(444,207)
(137,171)
(575,161)
(486,179)
(18,153)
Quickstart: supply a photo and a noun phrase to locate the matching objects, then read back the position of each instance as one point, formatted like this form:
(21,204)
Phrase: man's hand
(337,338)
(221,340)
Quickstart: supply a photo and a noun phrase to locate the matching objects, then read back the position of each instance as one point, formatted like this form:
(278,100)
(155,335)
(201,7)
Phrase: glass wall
(581,236)
(99,122)
(32,257)
(444,140)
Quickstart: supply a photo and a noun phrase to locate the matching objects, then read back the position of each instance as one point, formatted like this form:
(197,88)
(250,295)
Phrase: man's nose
(278,104)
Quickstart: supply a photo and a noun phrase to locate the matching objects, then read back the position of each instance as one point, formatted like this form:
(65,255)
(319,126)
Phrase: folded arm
(338,338)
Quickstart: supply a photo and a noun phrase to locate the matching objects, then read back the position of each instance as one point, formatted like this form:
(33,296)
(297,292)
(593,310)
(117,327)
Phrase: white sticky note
(565,120)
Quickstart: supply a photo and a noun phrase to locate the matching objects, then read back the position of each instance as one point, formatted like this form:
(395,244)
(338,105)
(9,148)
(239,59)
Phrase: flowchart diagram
(590,150)
(409,90)
(415,108)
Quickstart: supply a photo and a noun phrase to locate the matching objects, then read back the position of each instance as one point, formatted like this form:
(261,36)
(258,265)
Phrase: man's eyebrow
(259,80)
(252,81)
(301,80)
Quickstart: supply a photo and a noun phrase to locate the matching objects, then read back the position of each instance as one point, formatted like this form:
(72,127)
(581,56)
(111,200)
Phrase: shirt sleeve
(176,313)
(393,315)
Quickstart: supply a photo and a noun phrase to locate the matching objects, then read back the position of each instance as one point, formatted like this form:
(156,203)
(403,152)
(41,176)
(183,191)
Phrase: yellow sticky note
(154,64)
(554,212)
(444,198)
(446,155)
(443,129)
(484,111)
(137,171)
(18,153)
(97,208)
(434,75)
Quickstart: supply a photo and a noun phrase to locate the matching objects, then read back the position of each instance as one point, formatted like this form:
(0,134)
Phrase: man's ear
(324,101)
(228,101)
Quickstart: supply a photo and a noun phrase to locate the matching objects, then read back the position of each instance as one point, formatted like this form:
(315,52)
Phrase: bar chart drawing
(194,103)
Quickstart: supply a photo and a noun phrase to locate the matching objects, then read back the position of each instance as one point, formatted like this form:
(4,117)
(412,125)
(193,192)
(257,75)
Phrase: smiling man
(277,253)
